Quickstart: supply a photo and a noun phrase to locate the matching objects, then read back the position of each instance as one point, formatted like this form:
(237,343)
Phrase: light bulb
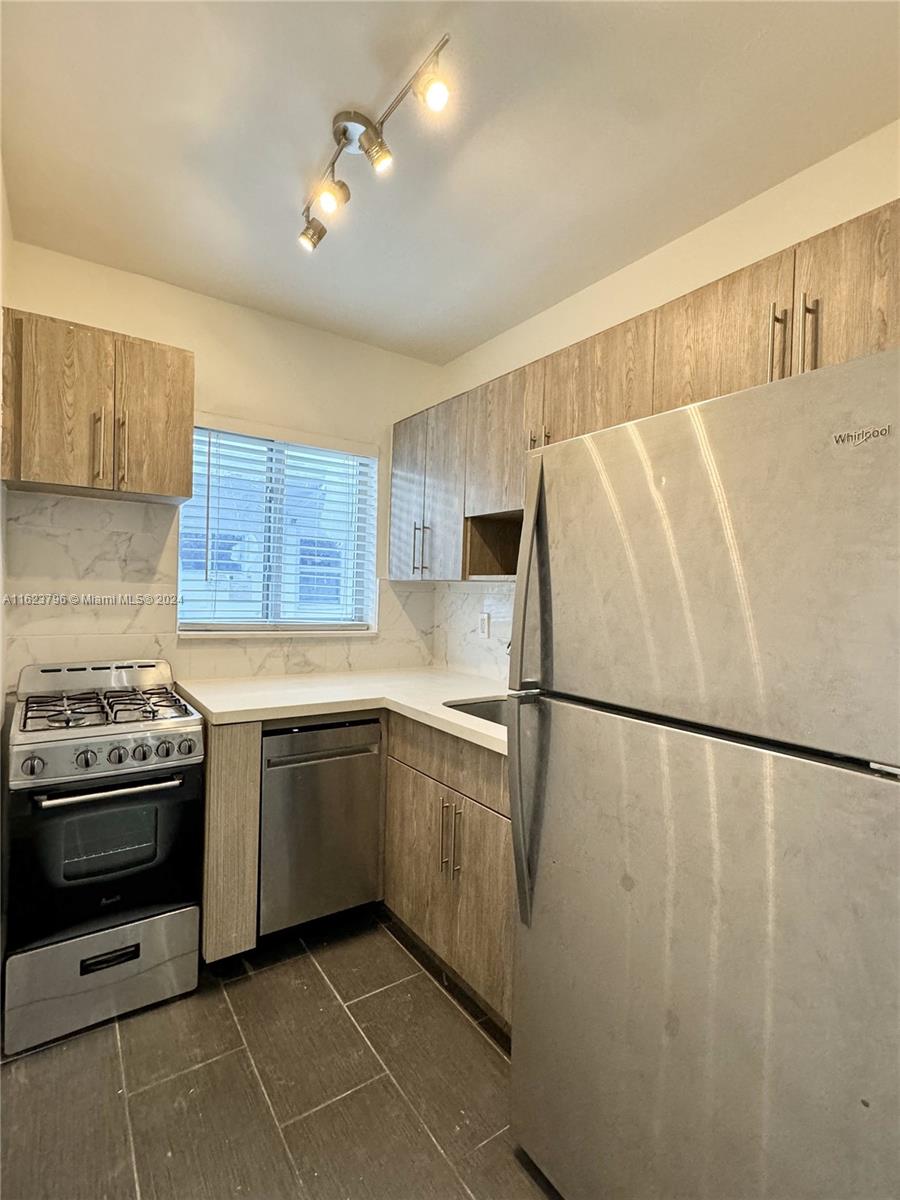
(376,150)
(312,234)
(332,195)
(436,94)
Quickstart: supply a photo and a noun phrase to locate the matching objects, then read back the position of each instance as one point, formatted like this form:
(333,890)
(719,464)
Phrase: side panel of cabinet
(61,412)
(154,418)
(851,277)
(441,556)
(485,902)
(416,855)
(716,340)
(231,850)
(407,496)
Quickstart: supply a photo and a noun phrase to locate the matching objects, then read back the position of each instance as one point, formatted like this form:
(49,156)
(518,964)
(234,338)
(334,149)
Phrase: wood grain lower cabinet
(418,826)
(721,338)
(482,863)
(231,848)
(847,291)
(58,402)
(448,877)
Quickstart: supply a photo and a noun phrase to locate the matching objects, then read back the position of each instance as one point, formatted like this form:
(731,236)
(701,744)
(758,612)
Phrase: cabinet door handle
(774,319)
(545,435)
(123,449)
(457,818)
(812,310)
(423,566)
(444,860)
(415,533)
(532,439)
(99,444)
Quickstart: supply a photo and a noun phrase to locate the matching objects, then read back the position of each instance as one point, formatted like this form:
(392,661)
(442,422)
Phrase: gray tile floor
(327,1065)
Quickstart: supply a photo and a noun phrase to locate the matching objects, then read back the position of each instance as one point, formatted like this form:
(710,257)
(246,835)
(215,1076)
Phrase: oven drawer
(59,988)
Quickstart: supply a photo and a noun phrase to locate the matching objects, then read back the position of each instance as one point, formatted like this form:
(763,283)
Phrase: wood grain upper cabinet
(441,553)
(734,333)
(601,381)
(622,383)
(847,290)
(418,818)
(154,418)
(568,376)
(483,874)
(504,422)
(407,495)
(59,388)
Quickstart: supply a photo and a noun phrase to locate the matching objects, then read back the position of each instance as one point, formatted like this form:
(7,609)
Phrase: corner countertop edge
(417,693)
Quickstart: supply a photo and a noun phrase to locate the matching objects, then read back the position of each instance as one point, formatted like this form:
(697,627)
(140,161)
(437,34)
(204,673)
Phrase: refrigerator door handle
(517,805)
(534,480)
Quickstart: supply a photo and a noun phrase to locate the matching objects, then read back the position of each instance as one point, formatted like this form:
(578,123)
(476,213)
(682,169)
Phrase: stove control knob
(165,750)
(86,758)
(117,755)
(141,752)
(33,765)
(186,746)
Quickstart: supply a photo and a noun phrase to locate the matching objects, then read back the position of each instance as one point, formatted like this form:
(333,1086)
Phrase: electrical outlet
(484,625)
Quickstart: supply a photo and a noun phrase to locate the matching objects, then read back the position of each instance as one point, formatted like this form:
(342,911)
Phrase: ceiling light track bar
(411,82)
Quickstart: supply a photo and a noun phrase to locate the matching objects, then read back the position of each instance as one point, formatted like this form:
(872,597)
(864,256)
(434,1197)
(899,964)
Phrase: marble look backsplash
(457,642)
(69,544)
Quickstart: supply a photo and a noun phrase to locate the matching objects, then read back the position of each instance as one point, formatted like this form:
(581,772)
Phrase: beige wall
(853,181)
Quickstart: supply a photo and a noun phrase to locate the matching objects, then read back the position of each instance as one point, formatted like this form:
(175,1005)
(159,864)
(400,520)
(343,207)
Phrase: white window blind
(277,536)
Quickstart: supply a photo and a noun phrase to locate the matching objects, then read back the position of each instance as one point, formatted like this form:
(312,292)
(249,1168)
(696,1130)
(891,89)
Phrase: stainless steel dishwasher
(320,826)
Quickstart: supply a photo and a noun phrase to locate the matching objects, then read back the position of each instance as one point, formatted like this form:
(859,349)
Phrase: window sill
(232,635)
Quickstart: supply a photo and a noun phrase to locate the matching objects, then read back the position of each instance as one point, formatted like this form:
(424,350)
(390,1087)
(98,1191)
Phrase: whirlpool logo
(857,437)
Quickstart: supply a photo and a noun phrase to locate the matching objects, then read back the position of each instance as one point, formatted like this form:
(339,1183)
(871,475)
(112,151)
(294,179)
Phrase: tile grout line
(390,1075)
(375,991)
(477,1024)
(134,1170)
(318,1108)
(264,1092)
(499,1133)
(186,1070)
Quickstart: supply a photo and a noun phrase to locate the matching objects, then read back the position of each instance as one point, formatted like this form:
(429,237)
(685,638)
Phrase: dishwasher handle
(318,756)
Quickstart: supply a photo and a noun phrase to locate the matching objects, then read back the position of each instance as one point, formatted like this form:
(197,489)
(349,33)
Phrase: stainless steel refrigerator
(704,756)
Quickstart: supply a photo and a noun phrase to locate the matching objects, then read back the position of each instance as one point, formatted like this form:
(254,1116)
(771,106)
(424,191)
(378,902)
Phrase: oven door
(87,856)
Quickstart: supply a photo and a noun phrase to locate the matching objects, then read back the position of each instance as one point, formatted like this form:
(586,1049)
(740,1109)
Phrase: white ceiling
(177,140)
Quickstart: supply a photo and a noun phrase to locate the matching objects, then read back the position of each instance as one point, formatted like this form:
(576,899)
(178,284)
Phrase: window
(277,536)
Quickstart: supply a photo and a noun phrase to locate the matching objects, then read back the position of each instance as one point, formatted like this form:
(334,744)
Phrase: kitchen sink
(493,708)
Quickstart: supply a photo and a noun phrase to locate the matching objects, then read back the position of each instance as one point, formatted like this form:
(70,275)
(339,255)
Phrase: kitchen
(447,752)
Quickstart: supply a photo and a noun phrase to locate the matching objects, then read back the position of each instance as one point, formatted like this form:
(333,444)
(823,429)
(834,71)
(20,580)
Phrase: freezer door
(706,998)
(734,564)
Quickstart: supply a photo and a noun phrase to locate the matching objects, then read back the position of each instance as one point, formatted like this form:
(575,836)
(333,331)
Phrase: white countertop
(416,693)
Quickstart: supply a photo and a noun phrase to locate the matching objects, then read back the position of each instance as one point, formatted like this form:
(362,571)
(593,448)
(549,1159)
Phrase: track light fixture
(312,234)
(356,133)
(333,194)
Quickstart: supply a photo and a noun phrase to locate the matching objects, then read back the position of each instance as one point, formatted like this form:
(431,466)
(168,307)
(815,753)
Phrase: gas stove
(76,721)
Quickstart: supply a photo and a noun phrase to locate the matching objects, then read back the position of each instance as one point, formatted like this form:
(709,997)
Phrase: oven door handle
(87,797)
